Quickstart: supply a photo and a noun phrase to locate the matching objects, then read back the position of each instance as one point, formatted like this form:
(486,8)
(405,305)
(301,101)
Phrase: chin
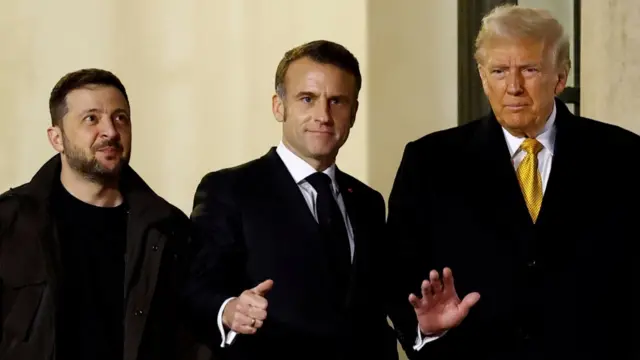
(112,165)
(518,121)
(323,150)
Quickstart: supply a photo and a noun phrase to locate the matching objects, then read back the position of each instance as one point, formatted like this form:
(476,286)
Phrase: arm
(438,307)
(399,233)
(217,256)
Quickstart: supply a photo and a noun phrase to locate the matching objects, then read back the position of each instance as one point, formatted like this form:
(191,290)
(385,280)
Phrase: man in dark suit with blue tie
(531,206)
(291,259)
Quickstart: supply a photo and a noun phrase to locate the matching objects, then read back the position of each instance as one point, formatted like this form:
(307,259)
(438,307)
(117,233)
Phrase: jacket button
(138,313)
(155,248)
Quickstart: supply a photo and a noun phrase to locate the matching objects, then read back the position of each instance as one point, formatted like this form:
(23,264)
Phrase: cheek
(83,141)
(496,88)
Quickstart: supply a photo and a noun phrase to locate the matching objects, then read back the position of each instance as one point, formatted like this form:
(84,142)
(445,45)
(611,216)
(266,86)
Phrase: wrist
(227,313)
(430,333)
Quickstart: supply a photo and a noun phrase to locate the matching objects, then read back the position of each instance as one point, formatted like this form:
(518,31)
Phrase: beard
(86,164)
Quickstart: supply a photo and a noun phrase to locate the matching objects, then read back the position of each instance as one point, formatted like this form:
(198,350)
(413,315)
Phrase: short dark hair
(76,80)
(323,52)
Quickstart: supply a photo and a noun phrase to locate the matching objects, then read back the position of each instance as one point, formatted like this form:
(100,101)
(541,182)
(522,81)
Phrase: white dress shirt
(547,137)
(300,170)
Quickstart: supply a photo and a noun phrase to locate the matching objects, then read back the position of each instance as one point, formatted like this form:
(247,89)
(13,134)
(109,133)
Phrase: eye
(306,99)
(497,71)
(335,101)
(122,118)
(90,118)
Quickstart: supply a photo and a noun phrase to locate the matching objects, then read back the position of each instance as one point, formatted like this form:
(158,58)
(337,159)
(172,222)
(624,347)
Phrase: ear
(561,84)
(277,107)
(54,133)
(355,111)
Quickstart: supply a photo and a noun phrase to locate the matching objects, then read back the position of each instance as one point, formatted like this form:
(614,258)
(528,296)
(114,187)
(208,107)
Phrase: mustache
(109,143)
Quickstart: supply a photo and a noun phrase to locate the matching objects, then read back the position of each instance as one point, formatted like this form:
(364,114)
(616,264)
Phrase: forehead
(100,97)
(307,75)
(515,51)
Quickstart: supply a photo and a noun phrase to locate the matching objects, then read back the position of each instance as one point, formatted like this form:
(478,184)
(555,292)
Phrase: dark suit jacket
(252,224)
(565,287)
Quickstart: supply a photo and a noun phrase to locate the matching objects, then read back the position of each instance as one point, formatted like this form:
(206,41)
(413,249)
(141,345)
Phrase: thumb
(263,288)
(469,301)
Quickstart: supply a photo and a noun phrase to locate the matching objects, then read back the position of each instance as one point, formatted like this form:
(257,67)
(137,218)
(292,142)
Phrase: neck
(90,192)
(530,132)
(319,163)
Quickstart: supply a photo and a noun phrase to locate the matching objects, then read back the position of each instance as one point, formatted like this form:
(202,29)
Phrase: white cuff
(227,339)
(420,341)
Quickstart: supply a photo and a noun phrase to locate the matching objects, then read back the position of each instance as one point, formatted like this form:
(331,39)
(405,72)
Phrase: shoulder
(447,139)
(13,197)
(360,188)
(614,137)
(11,202)
(230,177)
(224,186)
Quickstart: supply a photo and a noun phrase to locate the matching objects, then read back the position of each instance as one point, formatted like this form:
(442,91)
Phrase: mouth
(109,150)
(320,132)
(516,107)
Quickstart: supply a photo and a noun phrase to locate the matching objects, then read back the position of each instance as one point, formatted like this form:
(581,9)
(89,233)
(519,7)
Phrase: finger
(246,330)
(436,284)
(263,288)
(251,299)
(427,293)
(242,306)
(242,324)
(447,277)
(468,302)
(257,313)
(258,324)
(414,300)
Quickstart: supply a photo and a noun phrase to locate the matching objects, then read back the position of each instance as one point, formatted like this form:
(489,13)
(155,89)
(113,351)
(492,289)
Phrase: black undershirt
(92,248)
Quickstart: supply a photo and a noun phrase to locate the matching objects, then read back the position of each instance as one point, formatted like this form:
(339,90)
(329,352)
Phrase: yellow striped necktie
(529,177)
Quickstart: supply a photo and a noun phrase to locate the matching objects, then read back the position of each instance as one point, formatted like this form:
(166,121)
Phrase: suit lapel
(286,193)
(499,187)
(350,204)
(564,160)
(355,216)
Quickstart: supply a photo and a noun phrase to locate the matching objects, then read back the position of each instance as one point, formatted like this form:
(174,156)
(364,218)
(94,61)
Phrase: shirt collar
(547,137)
(300,169)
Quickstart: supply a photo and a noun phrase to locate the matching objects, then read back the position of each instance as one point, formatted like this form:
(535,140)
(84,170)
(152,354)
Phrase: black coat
(565,287)
(157,240)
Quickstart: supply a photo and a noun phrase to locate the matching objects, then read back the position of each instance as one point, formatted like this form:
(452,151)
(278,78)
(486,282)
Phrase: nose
(322,112)
(108,129)
(514,83)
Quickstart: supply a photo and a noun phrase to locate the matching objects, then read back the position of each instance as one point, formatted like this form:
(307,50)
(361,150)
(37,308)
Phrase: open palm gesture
(440,309)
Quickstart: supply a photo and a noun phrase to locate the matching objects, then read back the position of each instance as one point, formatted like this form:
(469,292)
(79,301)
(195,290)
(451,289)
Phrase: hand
(440,308)
(246,313)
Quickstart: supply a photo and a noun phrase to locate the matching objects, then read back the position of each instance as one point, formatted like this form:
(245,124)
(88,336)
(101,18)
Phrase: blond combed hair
(517,22)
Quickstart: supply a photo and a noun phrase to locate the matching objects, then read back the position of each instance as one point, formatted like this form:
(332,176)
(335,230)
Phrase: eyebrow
(503,65)
(306,93)
(310,94)
(94,110)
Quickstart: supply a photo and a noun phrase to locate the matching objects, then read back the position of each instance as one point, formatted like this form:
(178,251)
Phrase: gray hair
(517,22)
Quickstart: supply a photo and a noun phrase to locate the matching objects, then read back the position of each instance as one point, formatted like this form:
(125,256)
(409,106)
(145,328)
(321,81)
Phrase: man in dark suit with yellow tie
(531,206)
